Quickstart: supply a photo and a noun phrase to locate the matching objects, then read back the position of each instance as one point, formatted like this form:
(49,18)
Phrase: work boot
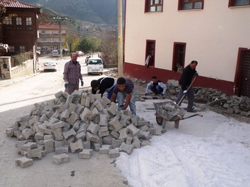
(191,110)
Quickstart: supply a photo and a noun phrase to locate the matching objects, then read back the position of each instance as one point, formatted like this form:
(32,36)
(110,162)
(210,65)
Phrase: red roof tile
(16,4)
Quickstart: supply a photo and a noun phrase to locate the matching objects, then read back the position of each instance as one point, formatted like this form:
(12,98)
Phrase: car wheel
(101,73)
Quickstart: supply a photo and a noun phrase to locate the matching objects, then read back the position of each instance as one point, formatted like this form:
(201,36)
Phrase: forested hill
(95,11)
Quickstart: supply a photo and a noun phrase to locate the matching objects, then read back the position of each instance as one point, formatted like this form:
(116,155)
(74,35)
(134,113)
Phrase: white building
(216,33)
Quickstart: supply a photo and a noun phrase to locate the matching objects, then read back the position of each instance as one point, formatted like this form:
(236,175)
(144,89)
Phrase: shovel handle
(183,96)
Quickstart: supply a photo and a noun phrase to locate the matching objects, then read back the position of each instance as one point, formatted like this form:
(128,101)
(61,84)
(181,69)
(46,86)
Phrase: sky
(213,150)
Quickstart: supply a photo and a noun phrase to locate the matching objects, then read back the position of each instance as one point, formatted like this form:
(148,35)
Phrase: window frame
(231,3)
(19,23)
(28,22)
(147,6)
(181,3)
(9,22)
(12,49)
(22,48)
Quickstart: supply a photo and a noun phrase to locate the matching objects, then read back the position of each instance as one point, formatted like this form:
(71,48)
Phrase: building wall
(212,36)
(24,37)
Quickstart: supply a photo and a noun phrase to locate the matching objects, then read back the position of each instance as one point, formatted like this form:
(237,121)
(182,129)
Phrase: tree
(89,45)
(72,41)
(108,47)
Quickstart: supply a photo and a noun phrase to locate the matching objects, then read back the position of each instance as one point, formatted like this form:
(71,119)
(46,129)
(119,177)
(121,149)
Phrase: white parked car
(95,66)
(50,66)
(55,53)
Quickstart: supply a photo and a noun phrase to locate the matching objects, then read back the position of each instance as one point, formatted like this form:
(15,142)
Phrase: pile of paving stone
(78,123)
(211,97)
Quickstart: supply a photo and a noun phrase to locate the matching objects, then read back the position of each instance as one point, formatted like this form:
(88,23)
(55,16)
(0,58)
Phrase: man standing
(104,84)
(72,74)
(156,86)
(125,89)
(185,82)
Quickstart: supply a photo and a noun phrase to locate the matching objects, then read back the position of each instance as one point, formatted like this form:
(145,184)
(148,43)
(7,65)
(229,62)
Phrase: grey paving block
(85,114)
(58,134)
(73,117)
(126,148)
(34,153)
(62,149)
(93,138)
(62,158)
(112,109)
(93,128)
(85,154)
(105,149)
(114,153)
(29,145)
(27,133)
(69,133)
(116,143)
(76,146)
(123,133)
(133,130)
(49,146)
(24,162)
(116,124)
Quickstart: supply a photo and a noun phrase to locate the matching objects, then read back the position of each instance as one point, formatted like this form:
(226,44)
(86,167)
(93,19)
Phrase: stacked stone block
(78,123)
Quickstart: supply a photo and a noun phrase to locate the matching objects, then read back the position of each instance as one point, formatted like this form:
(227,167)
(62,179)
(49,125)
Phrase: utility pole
(60,19)
(120,38)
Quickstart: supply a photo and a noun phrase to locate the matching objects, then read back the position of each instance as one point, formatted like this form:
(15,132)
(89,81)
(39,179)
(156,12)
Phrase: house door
(150,50)
(245,79)
(178,57)
(242,76)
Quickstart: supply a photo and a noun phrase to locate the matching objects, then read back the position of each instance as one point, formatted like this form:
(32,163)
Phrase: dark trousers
(156,89)
(71,88)
(190,96)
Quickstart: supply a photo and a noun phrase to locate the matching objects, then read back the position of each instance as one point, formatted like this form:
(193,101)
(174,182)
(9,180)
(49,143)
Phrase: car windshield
(95,61)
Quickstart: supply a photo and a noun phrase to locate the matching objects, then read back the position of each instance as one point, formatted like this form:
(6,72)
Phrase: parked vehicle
(50,66)
(95,66)
(79,53)
(55,53)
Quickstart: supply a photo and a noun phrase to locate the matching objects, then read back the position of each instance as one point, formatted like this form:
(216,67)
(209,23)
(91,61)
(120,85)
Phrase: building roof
(16,4)
(51,26)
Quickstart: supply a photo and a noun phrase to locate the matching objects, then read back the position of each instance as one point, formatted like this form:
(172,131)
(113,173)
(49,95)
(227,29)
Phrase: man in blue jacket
(156,86)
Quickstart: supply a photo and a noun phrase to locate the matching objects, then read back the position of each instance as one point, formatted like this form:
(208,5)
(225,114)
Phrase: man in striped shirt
(72,74)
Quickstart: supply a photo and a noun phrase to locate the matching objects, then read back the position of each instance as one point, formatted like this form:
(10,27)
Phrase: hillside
(95,11)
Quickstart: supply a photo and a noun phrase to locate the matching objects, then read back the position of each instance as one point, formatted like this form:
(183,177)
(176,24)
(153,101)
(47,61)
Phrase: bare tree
(109,48)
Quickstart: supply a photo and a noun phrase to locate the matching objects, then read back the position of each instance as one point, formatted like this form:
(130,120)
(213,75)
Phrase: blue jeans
(157,90)
(121,97)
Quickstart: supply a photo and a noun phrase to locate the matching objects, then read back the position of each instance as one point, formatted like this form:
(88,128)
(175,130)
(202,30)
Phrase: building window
(190,4)
(19,24)
(22,48)
(11,49)
(178,57)
(239,2)
(42,31)
(150,53)
(28,23)
(43,39)
(153,5)
(8,22)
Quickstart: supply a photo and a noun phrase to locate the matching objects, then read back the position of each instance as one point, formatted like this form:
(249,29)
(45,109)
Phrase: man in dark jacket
(104,84)
(185,82)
